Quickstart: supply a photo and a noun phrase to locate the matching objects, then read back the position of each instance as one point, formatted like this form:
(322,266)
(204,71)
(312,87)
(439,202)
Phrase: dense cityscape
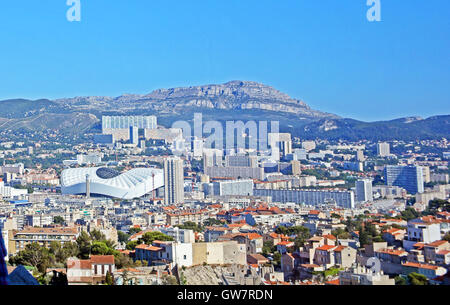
(224,152)
(142,204)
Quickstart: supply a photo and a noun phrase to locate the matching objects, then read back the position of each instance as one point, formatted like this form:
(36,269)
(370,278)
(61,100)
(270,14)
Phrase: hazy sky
(322,51)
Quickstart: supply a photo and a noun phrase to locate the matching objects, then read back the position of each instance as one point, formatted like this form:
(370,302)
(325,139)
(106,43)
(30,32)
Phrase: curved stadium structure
(111,183)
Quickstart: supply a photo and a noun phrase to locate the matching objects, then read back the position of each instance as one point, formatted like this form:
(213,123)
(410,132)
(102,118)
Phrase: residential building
(173,181)
(383,149)
(408,177)
(360,275)
(344,199)
(90,271)
(364,191)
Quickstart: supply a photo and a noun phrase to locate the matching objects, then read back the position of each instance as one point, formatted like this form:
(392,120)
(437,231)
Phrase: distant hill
(435,127)
(20,108)
(235,100)
(235,95)
(68,123)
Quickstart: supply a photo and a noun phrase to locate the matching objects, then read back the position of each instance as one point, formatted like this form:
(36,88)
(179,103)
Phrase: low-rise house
(90,271)
(395,256)
(274,238)
(431,250)
(324,256)
(213,234)
(394,236)
(253,241)
(283,246)
(430,271)
(192,254)
(424,230)
(307,252)
(257,259)
(289,263)
(360,275)
(344,256)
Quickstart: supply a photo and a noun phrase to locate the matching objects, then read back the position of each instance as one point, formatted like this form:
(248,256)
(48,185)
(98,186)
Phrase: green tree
(122,261)
(100,248)
(123,237)
(341,233)
(268,248)
(84,245)
(400,280)
(447,236)
(131,245)
(364,238)
(417,279)
(134,231)
(33,255)
(212,222)
(277,259)
(96,235)
(189,225)
(409,214)
(109,279)
(149,237)
(438,205)
(58,220)
(302,236)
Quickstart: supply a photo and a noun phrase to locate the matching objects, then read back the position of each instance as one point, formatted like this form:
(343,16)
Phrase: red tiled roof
(422,266)
(340,248)
(329,236)
(392,252)
(286,243)
(443,252)
(437,243)
(148,248)
(102,259)
(326,248)
(79,264)
(333,282)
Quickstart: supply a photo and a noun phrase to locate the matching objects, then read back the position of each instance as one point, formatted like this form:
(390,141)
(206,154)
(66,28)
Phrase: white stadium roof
(108,182)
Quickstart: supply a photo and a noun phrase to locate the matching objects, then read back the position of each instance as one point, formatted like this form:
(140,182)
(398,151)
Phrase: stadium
(107,182)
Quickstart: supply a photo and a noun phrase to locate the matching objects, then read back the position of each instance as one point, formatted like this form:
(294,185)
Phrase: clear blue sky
(322,51)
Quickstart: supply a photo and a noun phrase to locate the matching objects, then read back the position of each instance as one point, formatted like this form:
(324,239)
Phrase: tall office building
(125,122)
(426,174)
(212,157)
(408,177)
(281,142)
(134,135)
(383,149)
(360,156)
(364,190)
(197,147)
(233,188)
(173,181)
(241,161)
(345,199)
